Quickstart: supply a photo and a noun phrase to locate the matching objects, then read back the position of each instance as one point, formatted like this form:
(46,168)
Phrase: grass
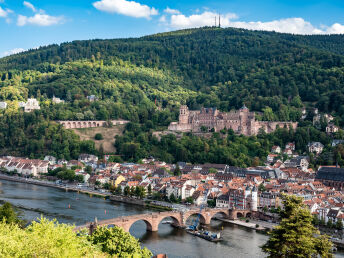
(108,134)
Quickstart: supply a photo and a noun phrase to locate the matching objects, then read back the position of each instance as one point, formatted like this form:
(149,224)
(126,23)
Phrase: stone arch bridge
(89,124)
(179,218)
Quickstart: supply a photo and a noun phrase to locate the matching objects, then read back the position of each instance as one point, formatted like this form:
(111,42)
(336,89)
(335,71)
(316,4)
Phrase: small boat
(167,222)
(207,235)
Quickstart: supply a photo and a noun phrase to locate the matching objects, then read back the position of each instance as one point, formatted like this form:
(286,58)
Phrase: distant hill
(145,80)
(223,67)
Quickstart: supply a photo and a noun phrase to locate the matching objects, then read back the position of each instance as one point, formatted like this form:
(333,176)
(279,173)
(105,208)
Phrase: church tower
(183,115)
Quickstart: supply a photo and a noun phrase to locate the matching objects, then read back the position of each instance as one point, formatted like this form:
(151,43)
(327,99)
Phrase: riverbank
(252,224)
(51,184)
(94,193)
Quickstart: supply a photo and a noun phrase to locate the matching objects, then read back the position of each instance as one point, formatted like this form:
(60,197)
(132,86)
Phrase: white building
(31,105)
(3,105)
(315,147)
(57,100)
(88,158)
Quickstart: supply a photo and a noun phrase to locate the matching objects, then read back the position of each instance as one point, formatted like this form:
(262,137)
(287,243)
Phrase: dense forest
(145,80)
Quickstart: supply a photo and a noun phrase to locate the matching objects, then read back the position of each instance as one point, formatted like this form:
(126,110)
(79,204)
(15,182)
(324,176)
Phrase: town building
(88,158)
(57,100)
(276,149)
(290,145)
(3,105)
(240,121)
(315,147)
(331,128)
(331,176)
(26,167)
(30,105)
(240,199)
(300,162)
(336,142)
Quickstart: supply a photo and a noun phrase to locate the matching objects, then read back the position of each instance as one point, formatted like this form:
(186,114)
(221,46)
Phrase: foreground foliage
(9,215)
(44,239)
(296,236)
(47,238)
(116,242)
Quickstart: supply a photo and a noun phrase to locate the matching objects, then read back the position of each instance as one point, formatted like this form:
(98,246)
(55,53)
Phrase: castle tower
(183,115)
(243,115)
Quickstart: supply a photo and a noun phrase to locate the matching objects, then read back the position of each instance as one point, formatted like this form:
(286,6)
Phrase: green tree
(261,188)
(149,189)
(339,224)
(132,191)
(126,190)
(189,200)
(9,215)
(45,239)
(177,171)
(296,236)
(329,224)
(88,169)
(118,190)
(173,198)
(98,137)
(118,243)
(212,171)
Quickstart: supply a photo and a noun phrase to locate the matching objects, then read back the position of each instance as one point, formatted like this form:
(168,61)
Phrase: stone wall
(89,124)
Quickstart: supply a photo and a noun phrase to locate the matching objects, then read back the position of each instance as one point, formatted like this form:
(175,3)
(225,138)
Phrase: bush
(257,226)
(44,239)
(98,137)
(247,221)
(118,243)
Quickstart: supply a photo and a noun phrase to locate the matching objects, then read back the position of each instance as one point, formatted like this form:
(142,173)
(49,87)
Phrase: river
(71,207)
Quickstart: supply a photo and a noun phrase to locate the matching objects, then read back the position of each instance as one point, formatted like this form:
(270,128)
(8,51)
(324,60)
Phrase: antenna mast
(219,21)
(215,21)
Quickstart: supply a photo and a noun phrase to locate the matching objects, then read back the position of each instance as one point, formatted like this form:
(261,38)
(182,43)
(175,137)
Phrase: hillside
(225,66)
(145,80)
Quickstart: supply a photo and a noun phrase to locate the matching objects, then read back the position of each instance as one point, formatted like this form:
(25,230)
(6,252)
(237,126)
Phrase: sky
(30,24)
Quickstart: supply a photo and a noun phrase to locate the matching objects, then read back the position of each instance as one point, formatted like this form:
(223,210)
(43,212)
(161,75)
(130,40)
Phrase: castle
(241,121)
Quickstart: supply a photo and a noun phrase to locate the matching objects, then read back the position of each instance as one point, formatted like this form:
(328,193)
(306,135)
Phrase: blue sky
(34,23)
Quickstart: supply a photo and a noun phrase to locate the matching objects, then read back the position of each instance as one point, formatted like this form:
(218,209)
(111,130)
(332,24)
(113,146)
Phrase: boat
(167,222)
(207,235)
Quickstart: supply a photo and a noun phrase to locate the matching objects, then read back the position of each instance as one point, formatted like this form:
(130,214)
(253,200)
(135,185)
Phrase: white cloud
(3,13)
(163,19)
(12,52)
(30,6)
(180,21)
(171,11)
(288,25)
(39,20)
(128,8)
(335,29)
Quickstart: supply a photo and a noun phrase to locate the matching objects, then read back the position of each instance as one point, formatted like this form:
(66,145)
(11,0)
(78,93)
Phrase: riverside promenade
(52,184)
(252,224)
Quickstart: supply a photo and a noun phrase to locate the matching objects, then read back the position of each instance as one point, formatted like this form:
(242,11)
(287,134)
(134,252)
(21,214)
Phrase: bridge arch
(175,220)
(149,226)
(202,219)
(239,215)
(222,213)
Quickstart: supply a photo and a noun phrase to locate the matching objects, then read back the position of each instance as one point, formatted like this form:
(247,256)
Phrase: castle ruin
(241,121)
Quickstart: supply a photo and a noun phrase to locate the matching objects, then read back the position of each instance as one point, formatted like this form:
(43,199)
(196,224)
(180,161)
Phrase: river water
(71,207)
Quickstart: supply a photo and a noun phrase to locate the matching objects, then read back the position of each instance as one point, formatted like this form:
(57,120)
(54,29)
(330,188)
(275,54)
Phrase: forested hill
(226,67)
(145,79)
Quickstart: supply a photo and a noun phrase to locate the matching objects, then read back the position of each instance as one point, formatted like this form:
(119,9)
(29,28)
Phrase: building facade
(241,121)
